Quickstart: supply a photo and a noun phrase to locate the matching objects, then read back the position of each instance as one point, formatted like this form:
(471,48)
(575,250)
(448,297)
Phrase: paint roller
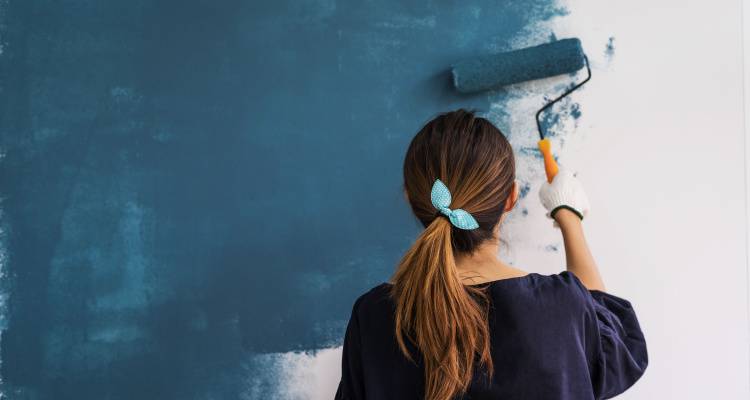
(543,61)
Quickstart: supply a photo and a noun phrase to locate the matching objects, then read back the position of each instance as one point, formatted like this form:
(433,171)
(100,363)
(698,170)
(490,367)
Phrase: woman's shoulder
(565,280)
(373,310)
(377,297)
(568,280)
(570,288)
(562,289)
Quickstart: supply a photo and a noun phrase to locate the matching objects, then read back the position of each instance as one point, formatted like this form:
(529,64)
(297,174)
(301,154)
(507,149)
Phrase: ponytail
(445,319)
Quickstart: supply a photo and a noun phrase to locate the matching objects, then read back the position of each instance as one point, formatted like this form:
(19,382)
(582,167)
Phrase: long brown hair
(444,318)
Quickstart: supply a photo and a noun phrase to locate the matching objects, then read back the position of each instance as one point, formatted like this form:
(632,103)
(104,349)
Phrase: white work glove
(565,191)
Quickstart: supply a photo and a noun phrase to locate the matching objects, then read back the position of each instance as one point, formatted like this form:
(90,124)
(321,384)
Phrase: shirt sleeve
(615,345)
(351,386)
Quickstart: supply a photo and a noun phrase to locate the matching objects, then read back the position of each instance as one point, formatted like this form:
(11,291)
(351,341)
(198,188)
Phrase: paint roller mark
(123,94)
(524,190)
(545,12)
(475,12)
(4,282)
(313,11)
(609,49)
(550,123)
(380,51)
(575,111)
(530,151)
(555,122)
(405,21)
(3,41)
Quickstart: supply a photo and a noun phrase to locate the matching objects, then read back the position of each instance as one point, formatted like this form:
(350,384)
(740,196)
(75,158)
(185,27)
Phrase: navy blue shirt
(551,339)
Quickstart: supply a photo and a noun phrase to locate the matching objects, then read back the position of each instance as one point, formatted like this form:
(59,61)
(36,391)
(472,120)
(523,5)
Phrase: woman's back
(551,338)
(430,333)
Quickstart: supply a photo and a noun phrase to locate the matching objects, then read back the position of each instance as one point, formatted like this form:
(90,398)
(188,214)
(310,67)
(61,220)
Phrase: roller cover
(497,70)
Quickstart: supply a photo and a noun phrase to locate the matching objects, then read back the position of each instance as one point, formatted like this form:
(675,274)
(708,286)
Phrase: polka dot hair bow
(441,199)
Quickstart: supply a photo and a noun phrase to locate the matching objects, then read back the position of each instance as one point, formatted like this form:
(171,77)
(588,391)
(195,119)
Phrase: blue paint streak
(553,119)
(575,110)
(524,190)
(609,49)
(530,151)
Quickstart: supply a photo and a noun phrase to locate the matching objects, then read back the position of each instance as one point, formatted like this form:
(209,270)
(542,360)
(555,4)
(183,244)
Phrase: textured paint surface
(491,71)
(190,187)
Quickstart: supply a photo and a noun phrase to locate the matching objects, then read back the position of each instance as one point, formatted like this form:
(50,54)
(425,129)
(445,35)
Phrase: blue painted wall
(188,183)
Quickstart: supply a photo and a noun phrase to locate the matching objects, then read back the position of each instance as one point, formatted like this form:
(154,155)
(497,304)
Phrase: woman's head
(444,318)
(473,158)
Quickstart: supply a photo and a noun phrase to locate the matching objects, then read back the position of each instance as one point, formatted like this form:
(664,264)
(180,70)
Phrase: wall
(195,192)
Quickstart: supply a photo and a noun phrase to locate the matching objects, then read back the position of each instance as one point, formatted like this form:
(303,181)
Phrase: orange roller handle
(550,165)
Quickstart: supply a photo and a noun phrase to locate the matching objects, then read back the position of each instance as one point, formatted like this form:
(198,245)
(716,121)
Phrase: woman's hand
(565,192)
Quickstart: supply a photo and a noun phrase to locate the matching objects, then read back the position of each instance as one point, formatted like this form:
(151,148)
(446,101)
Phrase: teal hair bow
(441,199)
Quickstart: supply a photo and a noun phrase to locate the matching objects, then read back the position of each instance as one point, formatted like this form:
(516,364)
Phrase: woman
(455,322)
